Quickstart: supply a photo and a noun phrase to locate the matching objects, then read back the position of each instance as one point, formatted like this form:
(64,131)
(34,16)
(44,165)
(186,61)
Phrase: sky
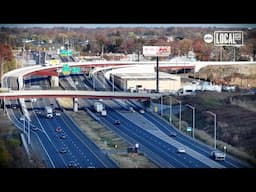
(105,25)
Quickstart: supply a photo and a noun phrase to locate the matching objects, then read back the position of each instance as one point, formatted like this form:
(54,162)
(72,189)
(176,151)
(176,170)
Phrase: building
(146,81)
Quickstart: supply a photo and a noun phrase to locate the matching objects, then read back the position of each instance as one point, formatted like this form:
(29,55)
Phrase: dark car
(72,164)
(34,128)
(173,134)
(14,106)
(58,129)
(63,150)
(117,122)
(62,136)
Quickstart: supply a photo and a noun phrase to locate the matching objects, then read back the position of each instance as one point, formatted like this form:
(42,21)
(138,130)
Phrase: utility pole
(157,75)
(161,105)
(193,114)
(170,118)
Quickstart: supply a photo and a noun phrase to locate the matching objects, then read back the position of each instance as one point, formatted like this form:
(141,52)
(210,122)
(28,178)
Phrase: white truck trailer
(98,106)
(48,112)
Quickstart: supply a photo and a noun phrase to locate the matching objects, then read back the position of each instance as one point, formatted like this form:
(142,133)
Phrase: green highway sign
(76,70)
(65,52)
(66,69)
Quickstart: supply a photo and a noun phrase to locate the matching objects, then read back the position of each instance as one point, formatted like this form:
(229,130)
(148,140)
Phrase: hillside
(240,75)
(236,125)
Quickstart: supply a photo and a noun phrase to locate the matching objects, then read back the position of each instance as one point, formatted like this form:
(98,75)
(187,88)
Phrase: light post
(215,126)
(161,105)
(170,118)
(113,83)
(193,110)
(179,112)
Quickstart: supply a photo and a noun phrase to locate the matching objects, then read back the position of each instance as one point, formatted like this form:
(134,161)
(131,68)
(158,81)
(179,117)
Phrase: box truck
(48,112)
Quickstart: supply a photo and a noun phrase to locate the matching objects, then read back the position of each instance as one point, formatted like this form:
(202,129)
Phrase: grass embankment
(12,153)
(106,139)
(235,124)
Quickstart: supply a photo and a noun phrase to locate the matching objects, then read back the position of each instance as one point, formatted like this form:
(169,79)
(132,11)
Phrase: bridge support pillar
(75,104)
(54,81)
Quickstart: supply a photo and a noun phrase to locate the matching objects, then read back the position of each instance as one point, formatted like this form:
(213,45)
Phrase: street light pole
(193,110)
(161,105)
(170,118)
(179,113)
(28,132)
(225,149)
(215,126)
(180,117)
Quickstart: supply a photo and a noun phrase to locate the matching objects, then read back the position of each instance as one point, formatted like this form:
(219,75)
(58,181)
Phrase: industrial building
(146,81)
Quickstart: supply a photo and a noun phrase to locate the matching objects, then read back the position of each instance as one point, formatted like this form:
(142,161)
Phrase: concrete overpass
(52,70)
(76,94)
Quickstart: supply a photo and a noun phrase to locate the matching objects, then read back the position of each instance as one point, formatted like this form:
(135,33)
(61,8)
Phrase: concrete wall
(164,85)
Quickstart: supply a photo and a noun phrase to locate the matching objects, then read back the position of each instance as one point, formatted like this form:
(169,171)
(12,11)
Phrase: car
(14,106)
(22,118)
(63,150)
(57,114)
(131,109)
(62,136)
(142,111)
(34,128)
(181,150)
(58,129)
(117,122)
(72,164)
(173,134)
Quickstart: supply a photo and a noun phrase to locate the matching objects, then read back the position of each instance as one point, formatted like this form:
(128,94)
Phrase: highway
(147,129)
(199,151)
(68,148)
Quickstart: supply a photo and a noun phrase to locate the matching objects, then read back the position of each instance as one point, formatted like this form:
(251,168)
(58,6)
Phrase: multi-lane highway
(135,128)
(65,145)
(61,140)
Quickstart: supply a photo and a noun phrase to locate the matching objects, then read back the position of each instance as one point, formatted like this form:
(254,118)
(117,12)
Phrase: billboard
(228,38)
(160,51)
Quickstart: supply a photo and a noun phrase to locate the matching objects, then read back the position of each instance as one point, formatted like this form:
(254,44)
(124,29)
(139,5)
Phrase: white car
(22,118)
(181,150)
(142,111)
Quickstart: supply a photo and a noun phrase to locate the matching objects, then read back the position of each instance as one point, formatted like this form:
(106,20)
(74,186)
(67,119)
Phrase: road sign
(76,70)
(66,72)
(65,52)
(66,69)
(189,129)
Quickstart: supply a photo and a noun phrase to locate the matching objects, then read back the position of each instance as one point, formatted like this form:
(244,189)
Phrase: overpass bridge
(53,70)
(75,94)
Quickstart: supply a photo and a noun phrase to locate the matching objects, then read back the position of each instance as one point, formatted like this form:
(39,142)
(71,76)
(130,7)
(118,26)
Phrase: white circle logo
(208,38)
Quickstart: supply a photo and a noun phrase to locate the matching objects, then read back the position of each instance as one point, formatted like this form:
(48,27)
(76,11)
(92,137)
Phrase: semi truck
(48,112)
(98,106)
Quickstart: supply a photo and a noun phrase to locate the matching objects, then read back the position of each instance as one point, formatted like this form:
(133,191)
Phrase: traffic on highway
(63,144)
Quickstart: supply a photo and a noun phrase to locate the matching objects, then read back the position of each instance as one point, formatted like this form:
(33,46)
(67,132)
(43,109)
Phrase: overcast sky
(129,25)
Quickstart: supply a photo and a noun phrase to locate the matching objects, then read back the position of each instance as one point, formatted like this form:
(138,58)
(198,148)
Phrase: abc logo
(208,38)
